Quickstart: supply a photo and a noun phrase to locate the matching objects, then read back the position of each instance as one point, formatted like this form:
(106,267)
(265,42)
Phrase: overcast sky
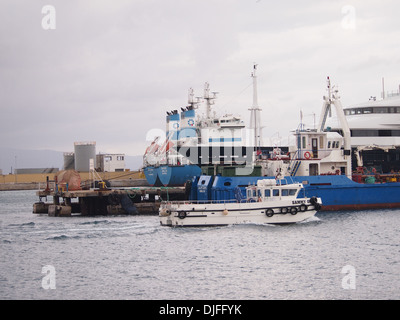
(110,70)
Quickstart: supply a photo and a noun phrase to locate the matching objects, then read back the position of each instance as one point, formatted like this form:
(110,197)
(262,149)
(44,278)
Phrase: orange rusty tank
(70,177)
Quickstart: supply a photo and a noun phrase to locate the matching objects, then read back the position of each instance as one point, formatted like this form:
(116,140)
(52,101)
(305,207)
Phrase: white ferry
(375,132)
(267,202)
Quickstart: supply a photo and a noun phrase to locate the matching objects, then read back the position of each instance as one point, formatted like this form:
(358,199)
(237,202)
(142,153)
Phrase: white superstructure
(373,122)
(315,152)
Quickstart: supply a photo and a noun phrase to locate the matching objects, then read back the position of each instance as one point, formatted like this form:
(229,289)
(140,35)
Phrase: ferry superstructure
(375,133)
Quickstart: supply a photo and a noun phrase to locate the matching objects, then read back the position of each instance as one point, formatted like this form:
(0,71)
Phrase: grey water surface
(335,255)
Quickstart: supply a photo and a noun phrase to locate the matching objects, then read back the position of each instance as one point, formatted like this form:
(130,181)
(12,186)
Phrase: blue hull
(177,175)
(341,193)
(337,192)
(151,174)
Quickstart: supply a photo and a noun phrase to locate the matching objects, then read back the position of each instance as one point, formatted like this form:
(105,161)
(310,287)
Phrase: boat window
(304,142)
(329,144)
(285,192)
(381,110)
(259,193)
(254,193)
(292,192)
(374,133)
(335,144)
(248,193)
(369,110)
(275,192)
(267,193)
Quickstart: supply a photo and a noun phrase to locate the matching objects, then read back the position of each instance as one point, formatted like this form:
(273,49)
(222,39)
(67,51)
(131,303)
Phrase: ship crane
(333,98)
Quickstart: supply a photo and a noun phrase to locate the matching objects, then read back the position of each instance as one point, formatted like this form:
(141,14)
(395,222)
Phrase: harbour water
(335,255)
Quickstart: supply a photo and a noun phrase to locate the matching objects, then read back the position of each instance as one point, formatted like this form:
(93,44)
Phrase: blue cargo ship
(196,143)
(336,191)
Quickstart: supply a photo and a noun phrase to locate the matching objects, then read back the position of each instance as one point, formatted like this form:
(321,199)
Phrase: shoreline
(38,181)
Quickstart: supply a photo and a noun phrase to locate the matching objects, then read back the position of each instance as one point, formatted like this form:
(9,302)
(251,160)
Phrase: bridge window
(369,110)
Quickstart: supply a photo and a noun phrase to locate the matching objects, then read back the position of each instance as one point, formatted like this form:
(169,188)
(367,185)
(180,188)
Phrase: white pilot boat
(267,202)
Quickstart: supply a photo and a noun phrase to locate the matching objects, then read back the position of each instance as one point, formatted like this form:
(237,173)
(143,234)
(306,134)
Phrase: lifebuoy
(307,155)
(269,213)
(314,202)
(182,215)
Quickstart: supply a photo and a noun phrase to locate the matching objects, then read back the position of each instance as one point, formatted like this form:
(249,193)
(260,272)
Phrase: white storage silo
(84,151)
(69,161)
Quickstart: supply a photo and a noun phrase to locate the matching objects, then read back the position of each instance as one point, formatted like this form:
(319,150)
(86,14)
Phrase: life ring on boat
(269,213)
(293,211)
(284,210)
(182,215)
(307,155)
(314,202)
(164,213)
(303,208)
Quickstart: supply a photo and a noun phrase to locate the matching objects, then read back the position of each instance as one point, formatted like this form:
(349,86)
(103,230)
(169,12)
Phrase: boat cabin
(318,153)
(269,190)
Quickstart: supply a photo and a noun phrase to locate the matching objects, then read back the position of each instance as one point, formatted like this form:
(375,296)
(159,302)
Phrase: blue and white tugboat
(267,202)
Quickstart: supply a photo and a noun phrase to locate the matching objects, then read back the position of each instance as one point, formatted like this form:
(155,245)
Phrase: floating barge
(104,201)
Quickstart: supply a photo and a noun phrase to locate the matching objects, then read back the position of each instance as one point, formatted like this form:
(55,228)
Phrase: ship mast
(255,110)
(209,100)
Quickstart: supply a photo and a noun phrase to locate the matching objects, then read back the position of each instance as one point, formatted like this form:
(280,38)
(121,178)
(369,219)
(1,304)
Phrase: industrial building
(84,156)
(110,162)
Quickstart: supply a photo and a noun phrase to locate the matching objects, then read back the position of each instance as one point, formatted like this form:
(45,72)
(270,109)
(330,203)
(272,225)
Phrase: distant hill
(17,158)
